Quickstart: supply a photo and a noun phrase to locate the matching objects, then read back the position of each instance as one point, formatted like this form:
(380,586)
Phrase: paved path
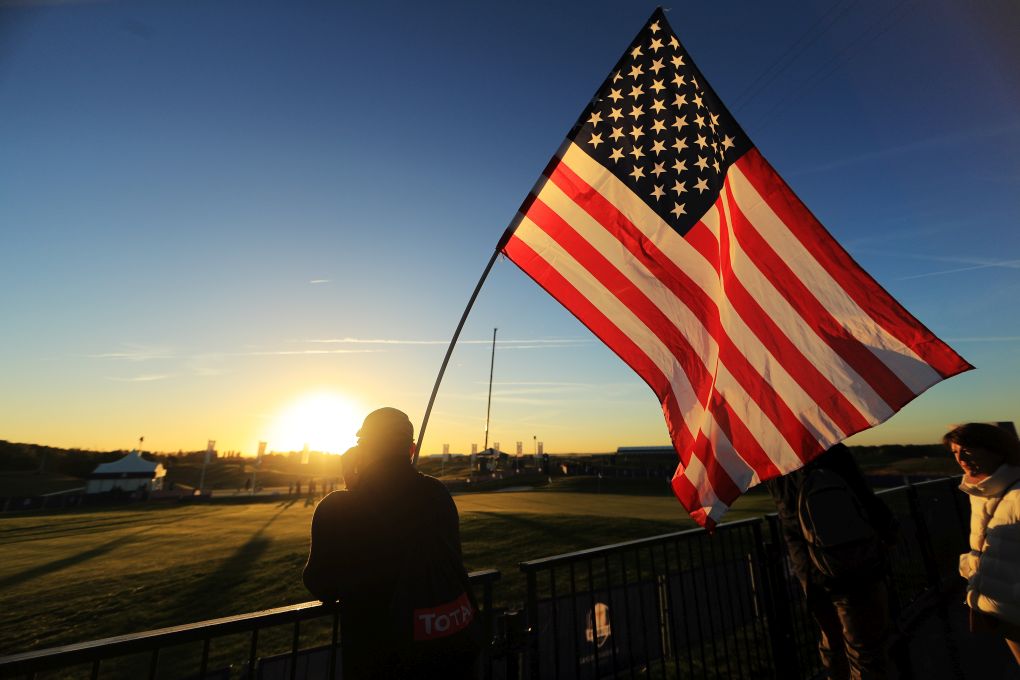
(943,648)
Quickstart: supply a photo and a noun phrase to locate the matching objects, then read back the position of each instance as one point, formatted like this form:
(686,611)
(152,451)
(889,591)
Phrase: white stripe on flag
(646,220)
(689,325)
(697,475)
(624,319)
(902,360)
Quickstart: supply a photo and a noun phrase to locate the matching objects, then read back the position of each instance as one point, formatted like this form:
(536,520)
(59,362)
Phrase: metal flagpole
(488,407)
(456,334)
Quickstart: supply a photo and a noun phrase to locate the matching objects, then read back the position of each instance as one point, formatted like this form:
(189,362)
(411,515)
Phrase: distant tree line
(19,457)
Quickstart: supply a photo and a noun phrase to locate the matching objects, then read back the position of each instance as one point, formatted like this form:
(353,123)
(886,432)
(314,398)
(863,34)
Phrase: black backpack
(842,541)
(433,614)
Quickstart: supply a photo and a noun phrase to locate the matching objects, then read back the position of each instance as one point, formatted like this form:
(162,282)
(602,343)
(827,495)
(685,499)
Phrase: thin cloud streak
(971,263)
(987,338)
(508,344)
(939,140)
(499,383)
(1005,264)
(315,281)
(505,400)
(298,352)
(4,4)
(135,355)
(959,259)
(140,378)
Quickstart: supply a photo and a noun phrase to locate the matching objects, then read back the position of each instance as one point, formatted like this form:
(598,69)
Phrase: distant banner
(541,448)
(446,449)
(589,635)
(474,449)
(495,446)
(305,455)
(262,451)
(520,448)
(210,449)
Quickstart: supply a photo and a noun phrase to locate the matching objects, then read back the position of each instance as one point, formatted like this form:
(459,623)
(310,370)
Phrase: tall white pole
(255,468)
(209,448)
(488,408)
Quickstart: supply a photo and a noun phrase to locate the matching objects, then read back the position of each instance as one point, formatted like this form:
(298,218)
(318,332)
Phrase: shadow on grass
(88,519)
(69,561)
(566,531)
(213,594)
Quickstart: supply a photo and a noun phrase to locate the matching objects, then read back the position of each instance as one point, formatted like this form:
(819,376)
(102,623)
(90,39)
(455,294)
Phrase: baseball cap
(388,423)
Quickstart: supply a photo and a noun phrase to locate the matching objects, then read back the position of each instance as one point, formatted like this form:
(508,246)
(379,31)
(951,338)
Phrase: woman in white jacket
(990,459)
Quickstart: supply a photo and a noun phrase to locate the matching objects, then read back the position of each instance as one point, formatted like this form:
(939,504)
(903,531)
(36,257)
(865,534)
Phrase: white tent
(130,473)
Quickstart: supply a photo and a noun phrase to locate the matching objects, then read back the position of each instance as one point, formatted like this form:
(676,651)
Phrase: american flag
(664,231)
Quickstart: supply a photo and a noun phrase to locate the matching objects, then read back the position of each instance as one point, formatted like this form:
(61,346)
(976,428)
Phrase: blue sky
(203,205)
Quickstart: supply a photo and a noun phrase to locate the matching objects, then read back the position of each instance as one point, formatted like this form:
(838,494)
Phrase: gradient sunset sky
(259,221)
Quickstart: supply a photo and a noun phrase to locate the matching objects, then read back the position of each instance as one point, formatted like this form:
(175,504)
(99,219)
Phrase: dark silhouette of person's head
(385,443)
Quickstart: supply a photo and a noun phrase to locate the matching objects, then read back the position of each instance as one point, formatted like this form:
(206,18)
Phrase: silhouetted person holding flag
(388,548)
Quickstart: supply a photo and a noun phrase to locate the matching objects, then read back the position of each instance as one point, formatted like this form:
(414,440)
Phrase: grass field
(85,575)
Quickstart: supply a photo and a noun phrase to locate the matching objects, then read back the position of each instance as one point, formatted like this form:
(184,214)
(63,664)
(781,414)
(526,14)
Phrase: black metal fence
(691,605)
(298,642)
(681,605)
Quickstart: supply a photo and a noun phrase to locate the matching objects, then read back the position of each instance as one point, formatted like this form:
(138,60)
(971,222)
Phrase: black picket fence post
(514,642)
(777,608)
(962,506)
(924,541)
(721,605)
(531,653)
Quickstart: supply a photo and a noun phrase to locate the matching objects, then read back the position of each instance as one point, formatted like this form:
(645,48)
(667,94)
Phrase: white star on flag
(764,342)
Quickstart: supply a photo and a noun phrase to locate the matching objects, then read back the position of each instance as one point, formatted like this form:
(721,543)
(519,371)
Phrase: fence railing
(297,641)
(676,603)
(683,605)
(691,605)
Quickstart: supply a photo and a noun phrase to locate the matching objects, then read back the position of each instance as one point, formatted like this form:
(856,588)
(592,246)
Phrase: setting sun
(325,421)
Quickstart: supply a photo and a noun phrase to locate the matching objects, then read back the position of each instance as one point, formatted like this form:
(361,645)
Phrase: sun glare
(325,421)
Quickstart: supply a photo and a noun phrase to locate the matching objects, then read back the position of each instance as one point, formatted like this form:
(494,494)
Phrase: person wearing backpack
(990,459)
(838,534)
(388,549)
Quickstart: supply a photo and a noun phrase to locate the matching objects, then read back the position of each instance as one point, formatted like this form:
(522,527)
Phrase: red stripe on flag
(803,442)
(747,445)
(700,304)
(619,285)
(869,367)
(640,246)
(847,417)
(857,283)
(664,329)
(587,313)
(687,494)
(823,393)
(688,497)
(554,283)
(647,312)
(703,240)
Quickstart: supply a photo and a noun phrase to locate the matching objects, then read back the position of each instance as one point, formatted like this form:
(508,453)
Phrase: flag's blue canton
(658,126)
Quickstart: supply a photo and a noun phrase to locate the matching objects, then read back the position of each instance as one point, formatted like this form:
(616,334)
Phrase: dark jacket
(358,547)
(785,492)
